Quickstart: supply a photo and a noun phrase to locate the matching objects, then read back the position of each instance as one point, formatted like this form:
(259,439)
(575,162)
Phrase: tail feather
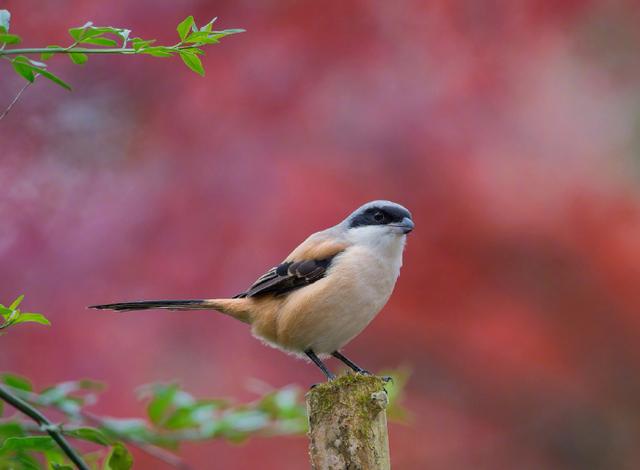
(200,304)
(236,308)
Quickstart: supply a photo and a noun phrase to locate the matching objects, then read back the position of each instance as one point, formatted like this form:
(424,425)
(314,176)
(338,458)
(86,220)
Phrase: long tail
(236,308)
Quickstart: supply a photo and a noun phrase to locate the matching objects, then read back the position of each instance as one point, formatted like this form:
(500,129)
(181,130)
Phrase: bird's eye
(378,216)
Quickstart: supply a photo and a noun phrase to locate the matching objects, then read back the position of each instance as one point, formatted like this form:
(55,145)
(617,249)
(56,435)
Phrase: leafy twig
(12,315)
(46,425)
(109,40)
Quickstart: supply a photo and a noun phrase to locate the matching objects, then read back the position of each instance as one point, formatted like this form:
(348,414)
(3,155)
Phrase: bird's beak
(406,225)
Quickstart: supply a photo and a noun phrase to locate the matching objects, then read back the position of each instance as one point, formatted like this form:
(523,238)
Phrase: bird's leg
(352,365)
(316,360)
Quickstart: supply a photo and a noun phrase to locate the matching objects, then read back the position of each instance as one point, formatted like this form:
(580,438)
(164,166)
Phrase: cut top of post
(348,424)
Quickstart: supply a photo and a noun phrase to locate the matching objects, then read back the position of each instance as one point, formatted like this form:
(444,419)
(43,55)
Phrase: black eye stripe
(380,215)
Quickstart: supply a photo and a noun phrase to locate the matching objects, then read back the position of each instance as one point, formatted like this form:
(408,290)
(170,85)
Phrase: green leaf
(228,32)
(32,317)
(89,434)
(24,461)
(22,66)
(54,455)
(79,33)
(16,303)
(10,429)
(48,55)
(139,43)
(5,19)
(95,31)
(203,37)
(210,37)
(78,57)
(57,466)
(11,318)
(16,381)
(100,42)
(6,312)
(119,458)
(54,78)
(161,403)
(192,61)
(184,27)
(37,443)
(12,315)
(209,25)
(192,416)
(10,38)
(76,33)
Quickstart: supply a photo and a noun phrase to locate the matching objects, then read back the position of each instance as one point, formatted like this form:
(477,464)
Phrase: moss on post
(348,424)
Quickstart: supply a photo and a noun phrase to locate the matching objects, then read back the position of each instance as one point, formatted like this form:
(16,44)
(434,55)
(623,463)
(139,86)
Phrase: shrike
(324,293)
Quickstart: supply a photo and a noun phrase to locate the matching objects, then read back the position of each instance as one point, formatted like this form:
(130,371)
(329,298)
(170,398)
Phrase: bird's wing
(305,265)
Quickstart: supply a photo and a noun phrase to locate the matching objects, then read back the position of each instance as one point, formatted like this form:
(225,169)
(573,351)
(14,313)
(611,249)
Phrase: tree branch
(89,50)
(348,424)
(46,425)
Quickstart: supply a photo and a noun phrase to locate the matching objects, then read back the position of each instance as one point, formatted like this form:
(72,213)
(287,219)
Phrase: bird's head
(379,220)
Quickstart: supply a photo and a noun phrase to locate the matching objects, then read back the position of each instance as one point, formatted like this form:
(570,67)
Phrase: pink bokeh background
(509,128)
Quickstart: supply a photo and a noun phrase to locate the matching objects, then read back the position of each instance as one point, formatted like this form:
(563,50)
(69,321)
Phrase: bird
(324,293)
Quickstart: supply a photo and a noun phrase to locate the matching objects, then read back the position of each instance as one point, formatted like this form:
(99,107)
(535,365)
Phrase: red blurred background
(509,128)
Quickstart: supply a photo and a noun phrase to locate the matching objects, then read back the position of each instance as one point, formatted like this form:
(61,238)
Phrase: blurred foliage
(173,416)
(109,40)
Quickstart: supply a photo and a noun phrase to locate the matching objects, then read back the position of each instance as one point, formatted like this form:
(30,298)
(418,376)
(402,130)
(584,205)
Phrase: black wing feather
(288,276)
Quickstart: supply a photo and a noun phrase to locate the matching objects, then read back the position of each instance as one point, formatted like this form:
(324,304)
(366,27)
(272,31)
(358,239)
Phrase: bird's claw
(330,378)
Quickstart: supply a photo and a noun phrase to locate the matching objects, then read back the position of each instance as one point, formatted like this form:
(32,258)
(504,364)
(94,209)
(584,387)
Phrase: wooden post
(348,424)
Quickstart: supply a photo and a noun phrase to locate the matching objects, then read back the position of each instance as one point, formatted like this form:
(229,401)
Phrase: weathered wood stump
(348,424)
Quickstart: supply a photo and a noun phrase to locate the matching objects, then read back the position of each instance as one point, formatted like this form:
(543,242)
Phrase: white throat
(384,241)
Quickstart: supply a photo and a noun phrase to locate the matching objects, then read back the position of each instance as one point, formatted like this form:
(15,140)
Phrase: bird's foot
(385,378)
(330,378)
